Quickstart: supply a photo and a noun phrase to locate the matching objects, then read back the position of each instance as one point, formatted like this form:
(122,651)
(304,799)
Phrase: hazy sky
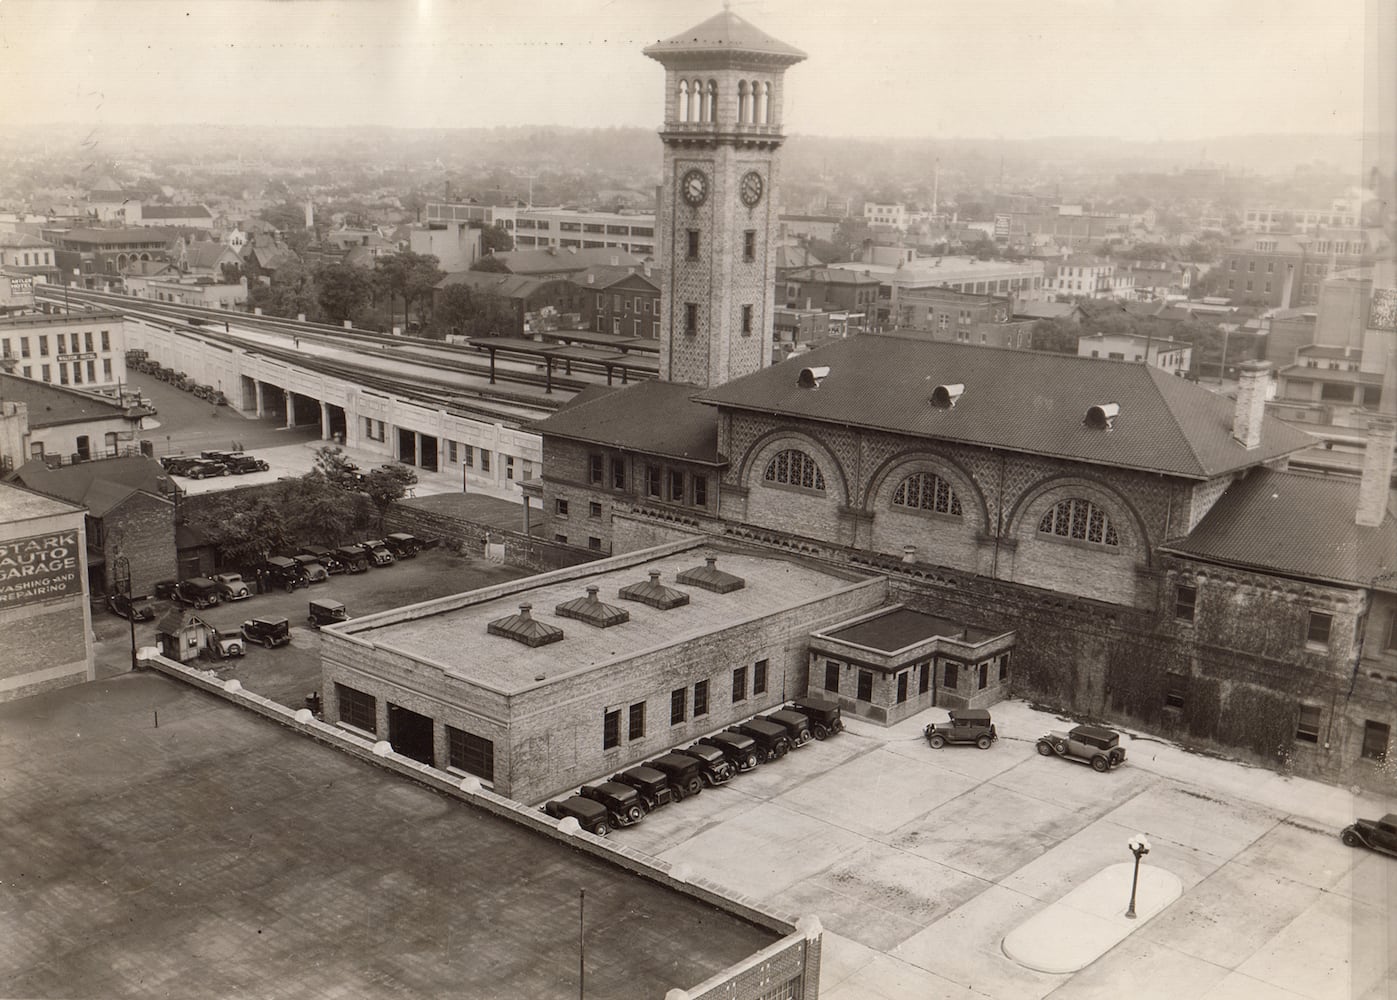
(972,68)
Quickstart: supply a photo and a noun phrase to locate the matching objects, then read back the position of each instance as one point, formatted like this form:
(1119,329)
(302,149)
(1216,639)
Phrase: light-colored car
(1094,745)
(232,586)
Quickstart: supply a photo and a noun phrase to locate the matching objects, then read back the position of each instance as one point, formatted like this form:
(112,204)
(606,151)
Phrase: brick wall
(142,528)
(47,644)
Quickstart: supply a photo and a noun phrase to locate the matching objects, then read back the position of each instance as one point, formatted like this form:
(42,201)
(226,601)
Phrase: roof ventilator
(943,397)
(524,628)
(592,611)
(1102,417)
(654,593)
(810,378)
(710,577)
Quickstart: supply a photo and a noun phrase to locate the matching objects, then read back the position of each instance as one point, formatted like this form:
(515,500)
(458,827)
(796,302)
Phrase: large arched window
(683,100)
(794,468)
(743,99)
(696,101)
(927,491)
(710,107)
(1080,520)
(763,109)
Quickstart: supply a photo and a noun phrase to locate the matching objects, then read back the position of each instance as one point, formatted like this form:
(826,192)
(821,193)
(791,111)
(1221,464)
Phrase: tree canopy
(464,310)
(410,276)
(491,264)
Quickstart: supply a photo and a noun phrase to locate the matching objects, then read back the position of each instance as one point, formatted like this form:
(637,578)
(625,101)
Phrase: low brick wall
(472,536)
(796,954)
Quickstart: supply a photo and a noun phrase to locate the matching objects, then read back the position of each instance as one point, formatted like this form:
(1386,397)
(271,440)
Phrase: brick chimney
(1251,403)
(1377,456)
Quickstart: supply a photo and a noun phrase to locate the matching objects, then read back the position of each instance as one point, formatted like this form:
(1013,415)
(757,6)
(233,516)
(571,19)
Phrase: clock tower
(717,214)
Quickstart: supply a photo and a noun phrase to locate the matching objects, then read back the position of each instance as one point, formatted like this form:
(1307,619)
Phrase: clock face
(694,187)
(751,188)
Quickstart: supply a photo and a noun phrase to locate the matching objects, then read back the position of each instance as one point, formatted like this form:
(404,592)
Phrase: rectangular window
(924,678)
(77,373)
(1307,728)
(700,491)
(691,319)
(746,321)
(618,473)
(759,677)
(87,341)
(700,698)
(484,460)
(1375,737)
(595,469)
(44,347)
(865,685)
(357,709)
(902,687)
(749,245)
(1175,685)
(652,481)
(470,753)
(450,452)
(509,466)
(45,374)
(24,347)
(561,539)
(594,509)
(611,729)
(469,456)
(635,727)
(60,344)
(832,676)
(560,507)
(984,678)
(1004,668)
(1185,601)
(63,373)
(594,543)
(678,705)
(950,676)
(106,340)
(739,684)
(1318,632)
(693,245)
(1392,633)
(676,485)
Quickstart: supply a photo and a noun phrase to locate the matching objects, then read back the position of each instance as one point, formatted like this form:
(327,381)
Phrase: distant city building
(1174,356)
(1087,276)
(185,216)
(85,350)
(107,251)
(885,216)
(830,288)
(562,228)
(621,300)
(899,269)
(1285,271)
(16,291)
(793,329)
(963,317)
(532,300)
(30,255)
(456,245)
(819,227)
(1341,213)
(556,263)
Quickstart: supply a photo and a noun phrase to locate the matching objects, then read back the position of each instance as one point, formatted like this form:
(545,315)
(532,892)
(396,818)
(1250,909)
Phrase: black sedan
(1374,834)
(123,607)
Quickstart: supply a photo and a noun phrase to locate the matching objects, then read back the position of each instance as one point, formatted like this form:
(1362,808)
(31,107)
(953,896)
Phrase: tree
(490,263)
(410,275)
(285,217)
(342,291)
(332,465)
(1056,335)
(318,511)
(385,487)
(474,313)
(291,293)
(494,239)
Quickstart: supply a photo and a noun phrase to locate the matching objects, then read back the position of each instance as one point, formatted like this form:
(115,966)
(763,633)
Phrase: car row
(628,797)
(1095,746)
(208,464)
(178,379)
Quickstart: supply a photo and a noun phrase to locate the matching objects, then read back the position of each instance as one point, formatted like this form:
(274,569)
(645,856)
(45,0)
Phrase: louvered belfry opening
(710,577)
(592,611)
(524,628)
(654,593)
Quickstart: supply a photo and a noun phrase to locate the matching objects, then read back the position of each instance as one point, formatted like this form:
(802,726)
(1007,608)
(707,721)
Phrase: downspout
(998,527)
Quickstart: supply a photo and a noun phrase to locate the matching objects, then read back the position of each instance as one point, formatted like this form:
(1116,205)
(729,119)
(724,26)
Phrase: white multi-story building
(564,228)
(85,350)
(899,270)
(1271,219)
(1088,276)
(880,215)
(1161,352)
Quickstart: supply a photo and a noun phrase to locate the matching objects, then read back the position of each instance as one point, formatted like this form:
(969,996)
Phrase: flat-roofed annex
(450,633)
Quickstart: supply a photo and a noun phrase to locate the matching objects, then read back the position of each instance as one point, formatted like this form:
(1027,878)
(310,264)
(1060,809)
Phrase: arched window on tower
(683,100)
(927,491)
(794,468)
(696,101)
(710,108)
(744,95)
(1079,520)
(764,111)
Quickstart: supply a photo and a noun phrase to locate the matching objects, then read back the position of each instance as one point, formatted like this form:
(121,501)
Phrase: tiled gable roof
(1014,400)
(657,418)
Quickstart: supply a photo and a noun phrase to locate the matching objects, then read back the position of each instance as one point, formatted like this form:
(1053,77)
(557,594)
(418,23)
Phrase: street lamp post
(1139,847)
(121,578)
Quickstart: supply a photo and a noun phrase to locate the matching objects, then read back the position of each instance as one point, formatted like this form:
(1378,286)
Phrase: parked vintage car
(326,557)
(826,717)
(591,816)
(285,573)
(797,726)
(1094,745)
(717,769)
(653,786)
(378,552)
(684,773)
(166,590)
(740,749)
(403,545)
(772,741)
(203,469)
(123,607)
(231,586)
(271,631)
(324,611)
(315,572)
(622,801)
(240,464)
(199,591)
(352,558)
(966,725)
(1374,834)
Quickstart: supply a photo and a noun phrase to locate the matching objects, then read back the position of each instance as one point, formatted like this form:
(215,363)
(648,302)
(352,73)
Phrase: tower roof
(725,32)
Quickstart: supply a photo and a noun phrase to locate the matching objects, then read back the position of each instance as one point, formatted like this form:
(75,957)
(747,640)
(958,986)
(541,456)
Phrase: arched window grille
(764,111)
(794,468)
(683,100)
(1080,520)
(744,96)
(710,108)
(927,491)
(696,101)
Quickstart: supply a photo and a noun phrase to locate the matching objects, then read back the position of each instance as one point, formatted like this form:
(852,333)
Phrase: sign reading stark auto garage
(39,568)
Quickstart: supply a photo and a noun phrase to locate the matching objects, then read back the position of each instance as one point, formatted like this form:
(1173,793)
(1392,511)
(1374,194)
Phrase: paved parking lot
(919,862)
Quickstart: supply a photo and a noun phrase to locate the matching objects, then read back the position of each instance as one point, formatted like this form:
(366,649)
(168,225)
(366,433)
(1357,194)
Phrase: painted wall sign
(40,568)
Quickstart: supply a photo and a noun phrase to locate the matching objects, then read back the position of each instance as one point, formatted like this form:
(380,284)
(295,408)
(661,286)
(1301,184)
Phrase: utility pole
(581,942)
